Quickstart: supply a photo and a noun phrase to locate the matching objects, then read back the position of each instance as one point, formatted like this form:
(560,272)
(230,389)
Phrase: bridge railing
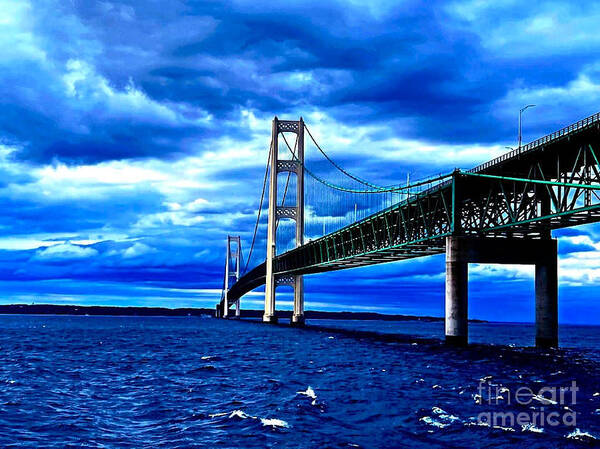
(541,141)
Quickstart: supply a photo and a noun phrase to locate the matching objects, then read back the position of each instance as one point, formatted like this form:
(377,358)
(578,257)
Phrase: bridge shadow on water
(571,363)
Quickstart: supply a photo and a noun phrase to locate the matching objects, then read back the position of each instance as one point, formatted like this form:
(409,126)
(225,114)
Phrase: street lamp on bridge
(520,114)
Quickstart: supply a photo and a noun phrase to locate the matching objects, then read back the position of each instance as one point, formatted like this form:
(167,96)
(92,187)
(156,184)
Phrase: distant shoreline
(54,309)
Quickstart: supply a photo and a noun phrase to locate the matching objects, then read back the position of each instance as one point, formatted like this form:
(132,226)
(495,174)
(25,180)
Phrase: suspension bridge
(502,211)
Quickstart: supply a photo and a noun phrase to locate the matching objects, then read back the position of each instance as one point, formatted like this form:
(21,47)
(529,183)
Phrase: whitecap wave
(444,415)
(529,427)
(309,392)
(543,400)
(240,414)
(273,422)
(433,422)
(506,429)
(580,435)
(441,420)
(485,424)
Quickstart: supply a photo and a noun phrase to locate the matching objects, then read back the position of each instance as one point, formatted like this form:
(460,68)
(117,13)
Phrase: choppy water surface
(191,382)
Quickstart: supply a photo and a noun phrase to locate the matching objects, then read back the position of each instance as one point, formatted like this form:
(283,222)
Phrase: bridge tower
(234,252)
(276,212)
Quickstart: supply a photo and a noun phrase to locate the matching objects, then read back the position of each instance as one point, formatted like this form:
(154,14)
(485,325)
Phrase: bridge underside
(549,184)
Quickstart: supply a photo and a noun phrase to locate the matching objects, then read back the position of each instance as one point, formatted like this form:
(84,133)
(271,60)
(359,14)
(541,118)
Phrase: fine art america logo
(554,406)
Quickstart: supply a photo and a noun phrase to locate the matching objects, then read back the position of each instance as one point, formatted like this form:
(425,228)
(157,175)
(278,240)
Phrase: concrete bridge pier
(546,302)
(457,290)
(298,314)
(460,251)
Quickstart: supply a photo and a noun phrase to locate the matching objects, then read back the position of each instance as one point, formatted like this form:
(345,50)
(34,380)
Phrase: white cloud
(115,172)
(41,241)
(19,42)
(138,249)
(381,144)
(166,219)
(554,103)
(64,252)
(549,28)
(94,92)
(197,205)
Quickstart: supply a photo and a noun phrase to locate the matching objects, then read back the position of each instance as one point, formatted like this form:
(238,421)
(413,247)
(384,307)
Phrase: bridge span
(502,211)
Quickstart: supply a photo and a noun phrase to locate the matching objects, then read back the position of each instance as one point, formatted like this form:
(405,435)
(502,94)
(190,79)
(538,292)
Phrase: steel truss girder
(538,202)
(548,187)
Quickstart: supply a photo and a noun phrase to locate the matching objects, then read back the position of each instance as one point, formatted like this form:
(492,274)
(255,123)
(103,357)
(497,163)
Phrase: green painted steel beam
(387,248)
(543,218)
(374,232)
(387,226)
(534,181)
(453,213)
(362,238)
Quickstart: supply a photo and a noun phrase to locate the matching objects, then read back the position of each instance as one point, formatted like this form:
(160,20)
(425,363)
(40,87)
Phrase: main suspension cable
(396,188)
(347,173)
(262,197)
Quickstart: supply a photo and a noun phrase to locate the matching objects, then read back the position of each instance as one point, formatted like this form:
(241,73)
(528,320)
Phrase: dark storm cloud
(414,60)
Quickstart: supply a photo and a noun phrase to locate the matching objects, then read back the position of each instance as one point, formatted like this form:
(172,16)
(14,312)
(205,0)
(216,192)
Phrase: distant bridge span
(502,211)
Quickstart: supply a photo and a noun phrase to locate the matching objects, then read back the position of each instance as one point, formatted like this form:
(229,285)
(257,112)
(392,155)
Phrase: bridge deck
(548,184)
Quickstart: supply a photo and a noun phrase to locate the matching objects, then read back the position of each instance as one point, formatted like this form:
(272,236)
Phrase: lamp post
(520,114)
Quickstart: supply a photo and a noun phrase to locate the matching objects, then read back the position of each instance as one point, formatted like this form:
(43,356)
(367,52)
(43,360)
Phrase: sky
(133,137)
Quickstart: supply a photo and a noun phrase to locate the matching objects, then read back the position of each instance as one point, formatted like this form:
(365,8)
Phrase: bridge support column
(546,300)
(460,251)
(457,288)
(222,310)
(298,314)
(226,292)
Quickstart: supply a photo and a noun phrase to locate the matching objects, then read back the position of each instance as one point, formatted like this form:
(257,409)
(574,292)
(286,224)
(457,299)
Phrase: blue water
(120,382)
